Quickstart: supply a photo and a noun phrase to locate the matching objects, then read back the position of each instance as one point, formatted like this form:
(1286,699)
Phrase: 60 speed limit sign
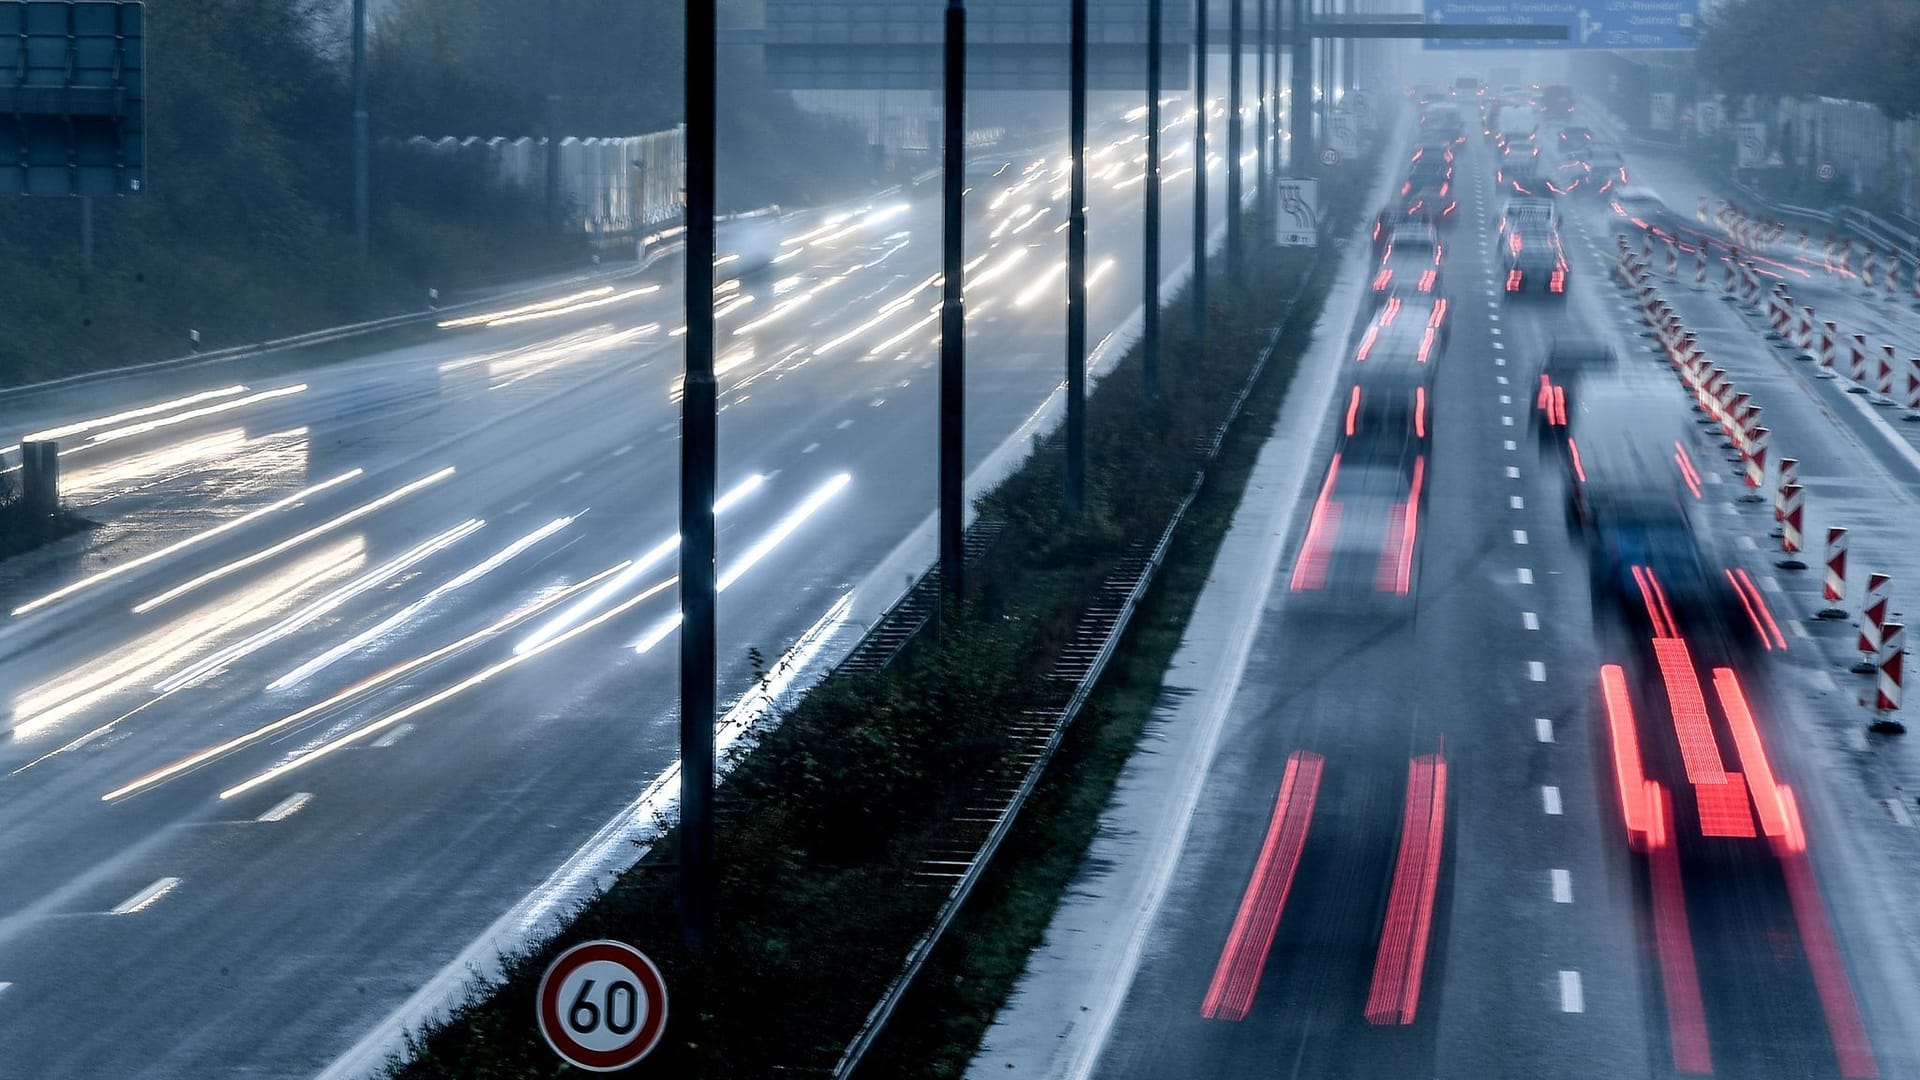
(602,1006)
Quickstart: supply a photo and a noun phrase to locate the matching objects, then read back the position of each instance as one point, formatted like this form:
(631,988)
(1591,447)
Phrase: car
(1534,261)
(1643,207)
(1468,86)
(1521,172)
(1377,487)
(1575,138)
(1427,171)
(1557,99)
(1411,263)
(1389,219)
(1434,203)
(1529,211)
(1443,122)
(1406,330)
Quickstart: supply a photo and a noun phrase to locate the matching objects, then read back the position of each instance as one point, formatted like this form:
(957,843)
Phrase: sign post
(602,1006)
(1753,144)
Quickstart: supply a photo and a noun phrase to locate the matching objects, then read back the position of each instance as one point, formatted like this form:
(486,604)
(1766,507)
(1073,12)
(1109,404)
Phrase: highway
(1392,838)
(358,653)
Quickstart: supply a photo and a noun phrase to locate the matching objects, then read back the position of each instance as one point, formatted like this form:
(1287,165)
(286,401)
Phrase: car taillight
(1513,281)
(1558,282)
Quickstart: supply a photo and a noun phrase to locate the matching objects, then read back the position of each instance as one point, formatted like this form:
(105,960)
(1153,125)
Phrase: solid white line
(1536,671)
(1516,502)
(146,897)
(1572,1000)
(287,807)
(1543,729)
(1550,799)
(1530,620)
(1520,536)
(1562,886)
(1526,576)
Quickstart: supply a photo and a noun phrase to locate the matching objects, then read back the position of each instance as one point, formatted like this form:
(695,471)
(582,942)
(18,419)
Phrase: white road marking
(1550,799)
(1530,620)
(1499,361)
(1747,542)
(843,425)
(1516,502)
(1536,671)
(287,807)
(1572,1000)
(666,427)
(1494,330)
(1493,305)
(519,506)
(811,447)
(1506,421)
(577,474)
(1501,379)
(1513,472)
(146,897)
(393,736)
(1499,346)
(1506,399)
(1526,576)
(1798,630)
(1562,886)
(1520,536)
(622,451)
(1769,584)
(1897,810)
(3,987)
(1543,729)
(1511,445)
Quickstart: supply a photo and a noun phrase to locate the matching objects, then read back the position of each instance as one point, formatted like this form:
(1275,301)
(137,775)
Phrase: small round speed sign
(602,1006)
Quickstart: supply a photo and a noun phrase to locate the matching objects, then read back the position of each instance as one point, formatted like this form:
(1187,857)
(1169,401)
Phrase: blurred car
(1575,139)
(1389,219)
(1434,203)
(1641,206)
(1529,212)
(1411,263)
(1534,261)
(1557,99)
(1406,330)
(1522,172)
(1445,123)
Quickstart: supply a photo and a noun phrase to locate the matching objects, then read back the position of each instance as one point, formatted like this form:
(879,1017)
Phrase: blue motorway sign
(1591,24)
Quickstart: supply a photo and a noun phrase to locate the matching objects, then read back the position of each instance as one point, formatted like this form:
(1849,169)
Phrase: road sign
(73,94)
(1752,144)
(1299,220)
(1591,24)
(1329,157)
(602,1006)
(1825,171)
(1660,111)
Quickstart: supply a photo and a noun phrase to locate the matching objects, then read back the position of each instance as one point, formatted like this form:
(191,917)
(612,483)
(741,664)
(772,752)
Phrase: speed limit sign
(602,1006)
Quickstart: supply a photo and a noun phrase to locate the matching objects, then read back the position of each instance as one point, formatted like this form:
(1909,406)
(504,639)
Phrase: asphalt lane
(217,864)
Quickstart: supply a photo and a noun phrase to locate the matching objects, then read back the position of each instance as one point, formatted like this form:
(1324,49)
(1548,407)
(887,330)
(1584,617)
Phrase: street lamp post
(1200,170)
(1150,258)
(953,318)
(1234,132)
(1077,264)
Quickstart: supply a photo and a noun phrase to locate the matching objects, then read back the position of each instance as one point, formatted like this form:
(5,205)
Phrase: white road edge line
(146,897)
(1572,998)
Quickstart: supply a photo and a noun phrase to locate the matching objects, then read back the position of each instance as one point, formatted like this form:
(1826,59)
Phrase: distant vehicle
(1575,138)
(1514,94)
(1534,262)
(747,243)
(1516,124)
(1443,122)
(1407,330)
(1557,99)
(1595,173)
(1468,86)
(1521,171)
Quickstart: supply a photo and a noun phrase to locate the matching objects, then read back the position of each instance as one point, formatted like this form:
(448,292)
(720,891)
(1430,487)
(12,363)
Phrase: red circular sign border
(547,1012)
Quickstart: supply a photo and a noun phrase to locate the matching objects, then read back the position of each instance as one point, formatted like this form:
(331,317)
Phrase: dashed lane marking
(1520,536)
(1499,361)
(146,897)
(1516,502)
(811,447)
(1511,445)
(624,450)
(1500,379)
(1530,620)
(572,476)
(287,807)
(393,736)
(519,506)
(1506,399)
(1536,671)
(1499,346)
(1513,472)
(1798,630)
(1562,882)
(843,425)
(1506,421)
(1769,584)
(1550,799)
(1542,729)
(1572,999)
(1526,576)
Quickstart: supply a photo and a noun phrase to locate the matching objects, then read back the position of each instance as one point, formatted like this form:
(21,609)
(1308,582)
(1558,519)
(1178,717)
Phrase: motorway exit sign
(1669,25)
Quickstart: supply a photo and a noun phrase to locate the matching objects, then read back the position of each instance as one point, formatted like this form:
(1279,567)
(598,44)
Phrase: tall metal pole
(1348,52)
(698,480)
(360,124)
(1262,183)
(1077,265)
(1300,109)
(1234,132)
(553,113)
(86,237)
(1150,258)
(1200,169)
(953,314)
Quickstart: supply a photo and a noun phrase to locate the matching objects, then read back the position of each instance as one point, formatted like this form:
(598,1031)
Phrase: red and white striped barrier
(1779,312)
(1700,211)
(1792,519)
(1873,612)
(1834,589)
(1746,427)
(1893,647)
(1883,376)
(1756,453)
(1729,281)
(1802,246)
(1857,352)
(1789,474)
(1803,337)
(1893,277)
(1868,267)
(1700,267)
(1751,291)
(1673,261)
(1912,394)
(1829,347)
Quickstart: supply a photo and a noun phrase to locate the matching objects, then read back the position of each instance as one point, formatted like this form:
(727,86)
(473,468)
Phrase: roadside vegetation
(823,824)
(243,230)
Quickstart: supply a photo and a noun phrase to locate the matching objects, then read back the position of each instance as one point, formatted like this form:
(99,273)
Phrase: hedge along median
(824,823)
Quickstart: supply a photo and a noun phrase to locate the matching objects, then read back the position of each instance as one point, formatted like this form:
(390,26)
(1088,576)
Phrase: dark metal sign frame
(72,97)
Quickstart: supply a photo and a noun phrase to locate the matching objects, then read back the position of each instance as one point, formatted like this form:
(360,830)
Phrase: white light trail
(145,426)
(81,426)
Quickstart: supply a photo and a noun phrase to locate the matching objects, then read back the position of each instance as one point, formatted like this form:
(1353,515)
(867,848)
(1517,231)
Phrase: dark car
(1410,263)
(1575,139)
(1534,262)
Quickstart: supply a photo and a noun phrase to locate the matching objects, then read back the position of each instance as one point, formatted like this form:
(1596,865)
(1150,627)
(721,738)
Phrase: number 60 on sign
(602,1006)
